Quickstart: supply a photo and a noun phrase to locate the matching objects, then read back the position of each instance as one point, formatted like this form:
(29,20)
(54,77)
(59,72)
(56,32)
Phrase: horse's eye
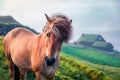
(48,34)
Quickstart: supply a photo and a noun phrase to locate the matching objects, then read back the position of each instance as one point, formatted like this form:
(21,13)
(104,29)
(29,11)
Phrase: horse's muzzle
(49,62)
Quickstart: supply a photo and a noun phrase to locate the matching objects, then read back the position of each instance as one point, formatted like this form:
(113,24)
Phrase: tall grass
(74,70)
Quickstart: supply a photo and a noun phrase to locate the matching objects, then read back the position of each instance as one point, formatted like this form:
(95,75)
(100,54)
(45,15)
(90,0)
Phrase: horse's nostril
(53,60)
(49,62)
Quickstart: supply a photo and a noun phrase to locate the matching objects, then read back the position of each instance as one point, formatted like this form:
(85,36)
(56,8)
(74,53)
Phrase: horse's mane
(62,27)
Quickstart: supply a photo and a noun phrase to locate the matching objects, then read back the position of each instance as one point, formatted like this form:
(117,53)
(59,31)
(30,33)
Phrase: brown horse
(25,50)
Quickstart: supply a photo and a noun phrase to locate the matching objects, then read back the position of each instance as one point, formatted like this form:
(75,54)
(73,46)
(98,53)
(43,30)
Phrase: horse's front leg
(23,74)
(37,75)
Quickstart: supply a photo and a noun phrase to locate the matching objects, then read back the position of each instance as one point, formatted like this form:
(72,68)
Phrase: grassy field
(97,60)
(112,72)
(94,56)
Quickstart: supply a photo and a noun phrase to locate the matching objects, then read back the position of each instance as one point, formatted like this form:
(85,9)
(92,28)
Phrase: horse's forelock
(62,27)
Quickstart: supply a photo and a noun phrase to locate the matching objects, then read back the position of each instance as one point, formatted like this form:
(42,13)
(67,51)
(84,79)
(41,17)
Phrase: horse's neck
(40,44)
(38,50)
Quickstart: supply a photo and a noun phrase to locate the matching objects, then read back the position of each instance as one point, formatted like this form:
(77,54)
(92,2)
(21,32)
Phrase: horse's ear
(48,19)
(70,21)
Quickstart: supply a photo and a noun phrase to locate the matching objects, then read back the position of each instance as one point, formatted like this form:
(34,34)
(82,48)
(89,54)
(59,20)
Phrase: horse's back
(21,32)
(18,33)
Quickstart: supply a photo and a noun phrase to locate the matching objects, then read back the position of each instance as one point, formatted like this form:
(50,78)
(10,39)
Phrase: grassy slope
(93,56)
(112,72)
(75,70)
(95,61)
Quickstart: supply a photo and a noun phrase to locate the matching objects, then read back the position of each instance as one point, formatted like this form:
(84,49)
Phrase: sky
(88,16)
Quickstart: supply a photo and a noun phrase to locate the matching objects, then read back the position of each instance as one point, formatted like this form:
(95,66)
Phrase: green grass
(75,70)
(93,56)
(112,72)
(97,60)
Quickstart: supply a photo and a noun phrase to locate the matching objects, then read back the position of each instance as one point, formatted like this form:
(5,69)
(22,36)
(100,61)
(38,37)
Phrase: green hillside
(97,60)
(90,55)
(8,20)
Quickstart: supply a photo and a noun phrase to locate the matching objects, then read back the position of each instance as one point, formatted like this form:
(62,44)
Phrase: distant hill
(8,20)
(95,41)
(8,23)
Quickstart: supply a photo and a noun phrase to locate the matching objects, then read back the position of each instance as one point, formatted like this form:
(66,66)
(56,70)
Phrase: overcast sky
(89,16)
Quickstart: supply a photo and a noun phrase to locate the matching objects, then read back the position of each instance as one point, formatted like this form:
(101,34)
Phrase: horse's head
(58,29)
